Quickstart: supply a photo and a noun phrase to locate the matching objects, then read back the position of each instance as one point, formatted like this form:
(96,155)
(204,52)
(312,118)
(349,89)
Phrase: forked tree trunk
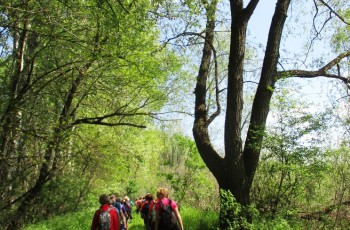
(235,171)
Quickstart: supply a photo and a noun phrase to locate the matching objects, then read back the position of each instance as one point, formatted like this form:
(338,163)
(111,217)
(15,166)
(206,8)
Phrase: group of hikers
(160,213)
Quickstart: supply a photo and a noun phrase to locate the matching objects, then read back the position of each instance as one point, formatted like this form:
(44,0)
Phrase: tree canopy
(77,78)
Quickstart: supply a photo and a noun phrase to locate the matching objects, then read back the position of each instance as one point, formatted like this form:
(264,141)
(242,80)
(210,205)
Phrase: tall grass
(193,219)
(71,221)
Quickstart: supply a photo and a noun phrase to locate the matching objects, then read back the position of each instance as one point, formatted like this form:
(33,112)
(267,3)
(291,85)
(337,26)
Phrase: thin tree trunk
(10,120)
(49,165)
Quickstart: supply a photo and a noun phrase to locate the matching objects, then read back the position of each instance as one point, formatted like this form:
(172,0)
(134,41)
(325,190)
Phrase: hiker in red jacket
(106,216)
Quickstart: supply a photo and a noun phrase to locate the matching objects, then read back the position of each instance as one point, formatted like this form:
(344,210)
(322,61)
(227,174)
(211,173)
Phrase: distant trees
(292,163)
(184,170)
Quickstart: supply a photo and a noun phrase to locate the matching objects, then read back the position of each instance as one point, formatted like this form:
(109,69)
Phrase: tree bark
(261,103)
(11,118)
(235,171)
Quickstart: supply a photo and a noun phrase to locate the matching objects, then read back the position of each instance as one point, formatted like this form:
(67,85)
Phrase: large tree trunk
(235,171)
(235,181)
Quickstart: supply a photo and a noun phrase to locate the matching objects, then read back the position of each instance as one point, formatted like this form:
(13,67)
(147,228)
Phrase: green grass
(71,221)
(193,219)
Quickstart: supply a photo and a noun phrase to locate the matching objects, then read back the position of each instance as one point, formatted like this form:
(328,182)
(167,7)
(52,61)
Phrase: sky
(314,91)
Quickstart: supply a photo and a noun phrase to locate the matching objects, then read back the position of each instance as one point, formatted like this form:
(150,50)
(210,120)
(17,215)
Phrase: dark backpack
(105,219)
(118,206)
(145,209)
(167,216)
(128,208)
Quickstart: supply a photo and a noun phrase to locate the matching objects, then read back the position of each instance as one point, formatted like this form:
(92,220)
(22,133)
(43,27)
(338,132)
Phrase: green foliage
(235,216)
(199,219)
(81,219)
(232,214)
(82,64)
(185,173)
(340,39)
(277,223)
(124,162)
(290,168)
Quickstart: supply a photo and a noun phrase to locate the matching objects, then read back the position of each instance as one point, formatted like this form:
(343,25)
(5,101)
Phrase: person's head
(149,197)
(126,198)
(119,199)
(162,193)
(112,198)
(104,199)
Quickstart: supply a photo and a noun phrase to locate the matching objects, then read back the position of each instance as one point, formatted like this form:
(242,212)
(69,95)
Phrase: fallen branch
(320,215)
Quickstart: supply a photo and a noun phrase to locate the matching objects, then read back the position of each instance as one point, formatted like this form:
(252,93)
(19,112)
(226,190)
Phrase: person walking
(167,214)
(106,217)
(145,211)
(128,206)
(121,217)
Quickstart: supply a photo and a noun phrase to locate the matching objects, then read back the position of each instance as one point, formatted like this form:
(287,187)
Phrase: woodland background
(97,96)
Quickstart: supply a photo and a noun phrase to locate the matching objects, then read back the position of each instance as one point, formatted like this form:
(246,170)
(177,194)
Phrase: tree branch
(99,119)
(322,72)
(249,10)
(333,11)
(93,121)
(318,32)
(336,60)
(319,215)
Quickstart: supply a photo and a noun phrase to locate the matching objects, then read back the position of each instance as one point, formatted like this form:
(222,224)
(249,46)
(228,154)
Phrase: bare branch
(217,90)
(312,74)
(100,120)
(336,60)
(318,32)
(165,43)
(334,12)
(92,121)
(322,72)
